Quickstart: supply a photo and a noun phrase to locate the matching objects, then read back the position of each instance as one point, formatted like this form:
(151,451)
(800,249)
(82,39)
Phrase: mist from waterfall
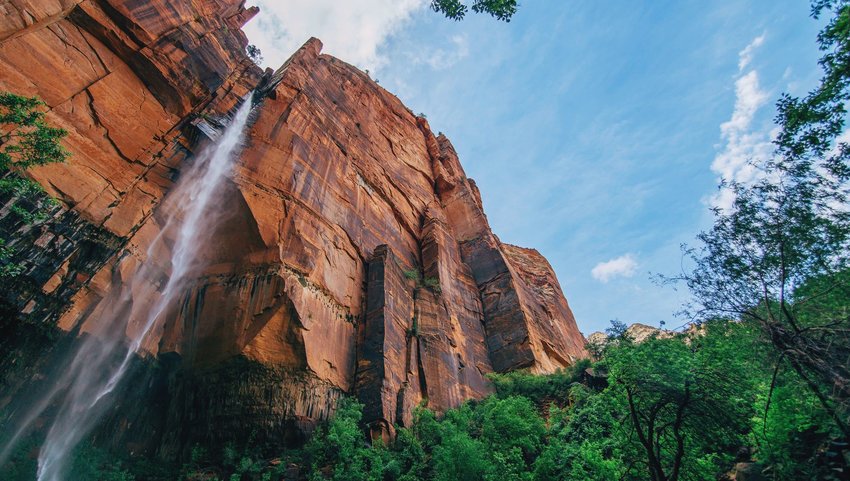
(188,214)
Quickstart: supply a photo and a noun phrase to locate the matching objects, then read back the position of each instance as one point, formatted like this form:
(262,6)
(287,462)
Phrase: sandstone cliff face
(122,78)
(355,256)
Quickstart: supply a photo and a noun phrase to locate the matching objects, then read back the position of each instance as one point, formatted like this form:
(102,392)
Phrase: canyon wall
(354,257)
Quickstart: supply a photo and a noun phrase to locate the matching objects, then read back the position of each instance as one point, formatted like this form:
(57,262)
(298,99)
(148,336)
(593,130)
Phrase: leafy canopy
(457,10)
(791,228)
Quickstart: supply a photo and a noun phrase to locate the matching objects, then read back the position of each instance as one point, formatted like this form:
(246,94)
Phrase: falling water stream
(104,357)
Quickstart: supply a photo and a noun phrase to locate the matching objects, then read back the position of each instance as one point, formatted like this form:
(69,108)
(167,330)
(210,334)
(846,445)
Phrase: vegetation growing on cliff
(26,140)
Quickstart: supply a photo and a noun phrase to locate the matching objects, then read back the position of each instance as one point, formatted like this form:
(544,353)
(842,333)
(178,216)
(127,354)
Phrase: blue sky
(596,131)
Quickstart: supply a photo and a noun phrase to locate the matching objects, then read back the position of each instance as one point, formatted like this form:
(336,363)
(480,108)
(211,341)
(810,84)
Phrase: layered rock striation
(354,255)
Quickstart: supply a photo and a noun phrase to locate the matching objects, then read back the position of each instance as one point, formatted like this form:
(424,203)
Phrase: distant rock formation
(357,258)
(637,332)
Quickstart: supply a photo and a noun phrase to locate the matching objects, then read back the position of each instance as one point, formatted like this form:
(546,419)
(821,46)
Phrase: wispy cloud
(443,58)
(352,30)
(623,266)
(742,143)
(745,57)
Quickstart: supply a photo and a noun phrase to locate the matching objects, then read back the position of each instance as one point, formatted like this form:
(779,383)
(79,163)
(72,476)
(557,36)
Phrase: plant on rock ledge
(431,283)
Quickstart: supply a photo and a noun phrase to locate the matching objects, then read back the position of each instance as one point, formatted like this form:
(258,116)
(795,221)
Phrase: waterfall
(104,357)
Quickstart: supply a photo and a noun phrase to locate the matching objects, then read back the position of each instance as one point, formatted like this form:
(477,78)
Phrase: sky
(597,132)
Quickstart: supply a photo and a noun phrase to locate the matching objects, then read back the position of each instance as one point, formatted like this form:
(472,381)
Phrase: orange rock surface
(355,256)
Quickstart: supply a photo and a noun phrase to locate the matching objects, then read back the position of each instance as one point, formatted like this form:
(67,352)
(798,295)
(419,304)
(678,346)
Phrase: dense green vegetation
(687,407)
(666,409)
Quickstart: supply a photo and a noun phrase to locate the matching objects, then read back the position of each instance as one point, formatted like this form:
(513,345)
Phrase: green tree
(791,429)
(585,442)
(687,401)
(457,10)
(25,138)
(459,457)
(512,423)
(410,460)
(789,227)
(339,451)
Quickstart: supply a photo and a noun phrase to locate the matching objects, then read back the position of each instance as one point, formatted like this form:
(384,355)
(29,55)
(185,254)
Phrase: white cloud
(623,266)
(351,30)
(441,59)
(743,145)
(745,57)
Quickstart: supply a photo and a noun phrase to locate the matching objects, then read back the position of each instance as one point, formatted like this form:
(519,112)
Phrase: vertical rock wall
(355,256)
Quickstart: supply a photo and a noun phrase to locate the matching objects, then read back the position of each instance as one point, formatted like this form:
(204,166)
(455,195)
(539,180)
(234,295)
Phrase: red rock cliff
(358,258)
